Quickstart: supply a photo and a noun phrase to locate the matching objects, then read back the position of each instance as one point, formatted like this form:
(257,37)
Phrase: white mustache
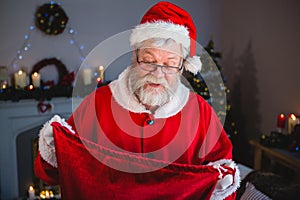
(151,79)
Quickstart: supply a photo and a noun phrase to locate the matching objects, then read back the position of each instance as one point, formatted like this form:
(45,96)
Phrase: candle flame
(293,117)
(30,87)
(31,188)
(101,68)
(282,116)
(20,72)
(35,74)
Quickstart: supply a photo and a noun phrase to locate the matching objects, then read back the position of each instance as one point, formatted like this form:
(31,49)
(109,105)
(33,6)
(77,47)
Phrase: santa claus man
(145,135)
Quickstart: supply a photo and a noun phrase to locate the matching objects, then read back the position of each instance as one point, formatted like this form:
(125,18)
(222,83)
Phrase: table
(283,157)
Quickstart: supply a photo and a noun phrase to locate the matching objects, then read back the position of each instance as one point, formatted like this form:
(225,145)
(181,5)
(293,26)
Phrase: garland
(51,19)
(64,78)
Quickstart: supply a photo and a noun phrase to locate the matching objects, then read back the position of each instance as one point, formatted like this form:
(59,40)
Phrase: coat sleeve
(45,165)
(216,151)
(216,144)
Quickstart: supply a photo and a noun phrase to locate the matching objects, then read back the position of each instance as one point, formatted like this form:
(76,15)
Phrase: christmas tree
(215,92)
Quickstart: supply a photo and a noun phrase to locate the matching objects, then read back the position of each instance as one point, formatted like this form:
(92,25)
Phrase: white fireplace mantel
(15,118)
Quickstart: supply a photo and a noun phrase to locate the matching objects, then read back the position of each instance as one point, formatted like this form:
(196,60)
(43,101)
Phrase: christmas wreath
(51,18)
(64,78)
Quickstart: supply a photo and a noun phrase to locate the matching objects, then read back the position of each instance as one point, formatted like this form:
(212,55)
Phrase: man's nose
(158,72)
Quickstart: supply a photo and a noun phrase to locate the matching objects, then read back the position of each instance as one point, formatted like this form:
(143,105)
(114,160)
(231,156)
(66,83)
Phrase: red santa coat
(183,136)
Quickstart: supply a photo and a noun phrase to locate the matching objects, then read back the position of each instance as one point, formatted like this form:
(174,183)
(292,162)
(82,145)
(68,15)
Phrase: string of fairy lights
(50,15)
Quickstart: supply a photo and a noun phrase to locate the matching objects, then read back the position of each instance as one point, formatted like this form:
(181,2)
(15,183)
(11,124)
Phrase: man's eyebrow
(146,51)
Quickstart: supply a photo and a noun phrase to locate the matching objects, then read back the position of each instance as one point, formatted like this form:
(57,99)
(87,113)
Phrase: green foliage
(217,93)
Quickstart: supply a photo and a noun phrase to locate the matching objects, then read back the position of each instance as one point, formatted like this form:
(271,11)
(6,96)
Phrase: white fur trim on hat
(160,29)
(193,64)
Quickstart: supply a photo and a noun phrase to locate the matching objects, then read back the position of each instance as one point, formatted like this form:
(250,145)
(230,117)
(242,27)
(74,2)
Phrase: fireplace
(26,144)
(20,123)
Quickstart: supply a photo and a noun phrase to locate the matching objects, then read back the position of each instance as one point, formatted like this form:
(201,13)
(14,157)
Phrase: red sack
(82,176)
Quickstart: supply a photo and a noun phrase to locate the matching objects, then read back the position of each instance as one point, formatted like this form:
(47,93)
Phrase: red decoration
(43,107)
(281,121)
(65,78)
(68,79)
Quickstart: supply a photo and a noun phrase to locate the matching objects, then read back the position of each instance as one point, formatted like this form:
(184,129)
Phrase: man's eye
(149,62)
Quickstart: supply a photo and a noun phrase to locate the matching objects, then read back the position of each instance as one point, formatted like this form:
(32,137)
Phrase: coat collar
(121,93)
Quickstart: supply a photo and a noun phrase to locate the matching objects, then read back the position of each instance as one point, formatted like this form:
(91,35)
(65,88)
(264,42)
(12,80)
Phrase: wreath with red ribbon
(65,78)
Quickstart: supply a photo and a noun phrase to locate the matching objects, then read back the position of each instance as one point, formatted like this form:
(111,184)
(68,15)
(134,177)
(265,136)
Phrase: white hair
(160,42)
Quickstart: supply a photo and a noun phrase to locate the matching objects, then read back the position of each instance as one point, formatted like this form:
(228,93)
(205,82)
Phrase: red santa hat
(166,20)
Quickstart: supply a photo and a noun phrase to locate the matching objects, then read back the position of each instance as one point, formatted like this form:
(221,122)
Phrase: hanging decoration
(51,18)
(54,17)
(43,107)
(64,77)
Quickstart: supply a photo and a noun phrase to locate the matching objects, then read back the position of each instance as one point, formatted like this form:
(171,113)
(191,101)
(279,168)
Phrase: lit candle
(87,76)
(292,121)
(36,79)
(3,85)
(20,79)
(51,194)
(47,194)
(281,121)
(31,192)
(30,87)
(101,74)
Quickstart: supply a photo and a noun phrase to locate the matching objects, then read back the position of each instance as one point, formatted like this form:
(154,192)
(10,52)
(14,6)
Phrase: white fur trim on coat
(46,140)
(160,29)
(193,64)
(227,184)
(121,93)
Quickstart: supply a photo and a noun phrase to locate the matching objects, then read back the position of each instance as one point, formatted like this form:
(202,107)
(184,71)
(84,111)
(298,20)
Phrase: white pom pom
(193,64)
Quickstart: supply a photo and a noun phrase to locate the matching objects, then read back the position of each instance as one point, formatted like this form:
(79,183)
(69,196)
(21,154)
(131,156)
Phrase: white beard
(150,96)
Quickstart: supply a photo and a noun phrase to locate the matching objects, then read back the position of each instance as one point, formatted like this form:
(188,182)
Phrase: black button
(150,122)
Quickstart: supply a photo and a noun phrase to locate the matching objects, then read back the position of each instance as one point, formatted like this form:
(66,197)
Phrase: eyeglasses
(152,67)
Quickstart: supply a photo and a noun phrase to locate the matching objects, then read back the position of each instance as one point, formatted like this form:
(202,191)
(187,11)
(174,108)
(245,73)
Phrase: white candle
(36,79)
(20,79)
(87,76)
(31,192)
(101,74)
(292,121)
